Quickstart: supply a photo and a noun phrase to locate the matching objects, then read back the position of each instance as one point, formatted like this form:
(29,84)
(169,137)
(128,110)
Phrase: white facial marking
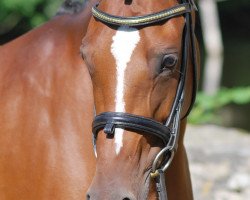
(124,43)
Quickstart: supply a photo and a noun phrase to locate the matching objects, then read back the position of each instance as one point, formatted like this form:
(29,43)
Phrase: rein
(168,132)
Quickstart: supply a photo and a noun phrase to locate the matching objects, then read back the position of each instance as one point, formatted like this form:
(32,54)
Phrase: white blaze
(124,43)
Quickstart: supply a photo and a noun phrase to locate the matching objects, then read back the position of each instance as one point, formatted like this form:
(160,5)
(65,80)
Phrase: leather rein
(168,132)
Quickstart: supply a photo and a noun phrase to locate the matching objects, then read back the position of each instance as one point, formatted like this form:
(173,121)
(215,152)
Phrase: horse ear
(128,2)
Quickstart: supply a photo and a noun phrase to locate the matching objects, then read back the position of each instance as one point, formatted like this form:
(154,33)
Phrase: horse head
(144,84)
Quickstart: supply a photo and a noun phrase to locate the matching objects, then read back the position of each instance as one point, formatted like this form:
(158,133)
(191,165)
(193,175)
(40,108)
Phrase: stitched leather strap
(111,120)
(141,20)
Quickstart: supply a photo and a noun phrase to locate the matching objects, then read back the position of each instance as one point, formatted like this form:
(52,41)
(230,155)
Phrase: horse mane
(70,7)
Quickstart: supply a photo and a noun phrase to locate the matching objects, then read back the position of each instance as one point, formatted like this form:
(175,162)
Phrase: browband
(141,20)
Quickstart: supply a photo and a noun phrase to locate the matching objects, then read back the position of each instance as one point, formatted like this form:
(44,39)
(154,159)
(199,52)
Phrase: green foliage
(26,8)
(30,12)
(206,106)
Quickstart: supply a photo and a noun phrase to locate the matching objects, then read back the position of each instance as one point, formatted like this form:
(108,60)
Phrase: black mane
(70,7)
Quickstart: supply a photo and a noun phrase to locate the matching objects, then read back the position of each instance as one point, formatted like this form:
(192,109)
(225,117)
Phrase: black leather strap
(111,120)
(194,62)
(141,20)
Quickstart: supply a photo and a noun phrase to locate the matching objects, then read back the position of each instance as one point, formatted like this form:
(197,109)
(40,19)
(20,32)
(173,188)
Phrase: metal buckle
(155,170)
(171,146)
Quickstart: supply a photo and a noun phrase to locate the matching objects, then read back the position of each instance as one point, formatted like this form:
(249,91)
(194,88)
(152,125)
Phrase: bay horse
(143,60)
(46,108)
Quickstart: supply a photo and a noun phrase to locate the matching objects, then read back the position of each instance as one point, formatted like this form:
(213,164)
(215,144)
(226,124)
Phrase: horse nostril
(105,195)
(129,198)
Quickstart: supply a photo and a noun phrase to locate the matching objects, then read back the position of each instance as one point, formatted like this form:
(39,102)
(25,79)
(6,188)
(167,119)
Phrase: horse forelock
(71,7)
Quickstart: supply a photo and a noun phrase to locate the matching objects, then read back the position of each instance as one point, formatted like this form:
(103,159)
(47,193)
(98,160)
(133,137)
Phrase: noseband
(167,132)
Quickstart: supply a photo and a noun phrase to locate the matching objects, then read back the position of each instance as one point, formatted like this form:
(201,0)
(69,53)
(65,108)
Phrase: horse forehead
(124,41)
(101,37)
(136,8)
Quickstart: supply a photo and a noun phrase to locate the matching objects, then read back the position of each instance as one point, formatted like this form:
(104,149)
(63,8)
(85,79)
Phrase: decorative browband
(141,20)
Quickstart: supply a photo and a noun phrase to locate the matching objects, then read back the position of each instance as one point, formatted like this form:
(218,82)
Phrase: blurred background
(223,31)
(218,139)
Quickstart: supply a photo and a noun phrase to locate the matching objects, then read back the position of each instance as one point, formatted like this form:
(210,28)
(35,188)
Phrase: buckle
(164,165)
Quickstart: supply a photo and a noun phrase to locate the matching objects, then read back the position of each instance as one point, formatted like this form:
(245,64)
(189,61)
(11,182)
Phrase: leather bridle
(168,132)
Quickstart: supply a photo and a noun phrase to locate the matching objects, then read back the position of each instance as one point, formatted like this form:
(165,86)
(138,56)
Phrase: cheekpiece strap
(141,20)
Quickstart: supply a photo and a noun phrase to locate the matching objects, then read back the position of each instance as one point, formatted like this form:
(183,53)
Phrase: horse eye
(168,62)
